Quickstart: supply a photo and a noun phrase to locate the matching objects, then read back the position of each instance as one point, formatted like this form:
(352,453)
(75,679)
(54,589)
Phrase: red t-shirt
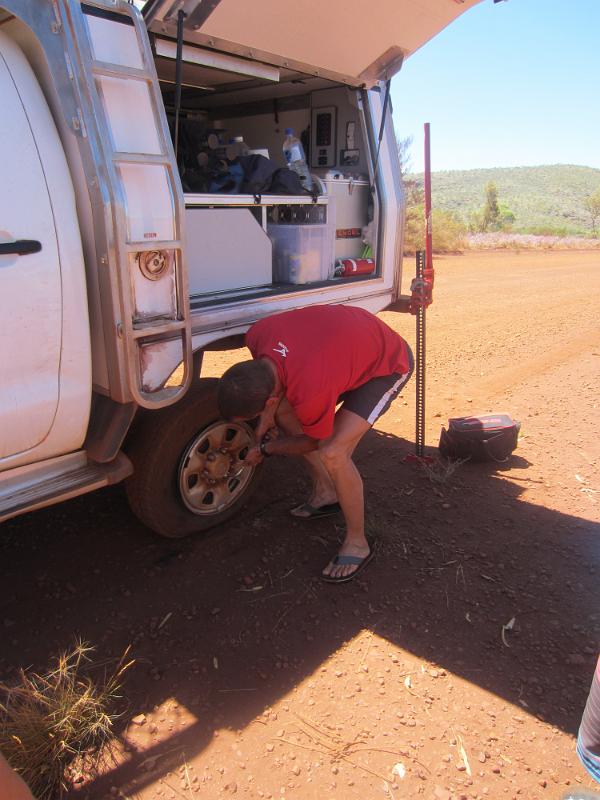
(321,352)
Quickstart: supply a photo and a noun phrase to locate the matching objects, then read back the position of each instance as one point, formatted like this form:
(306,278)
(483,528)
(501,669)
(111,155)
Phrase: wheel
(189,474)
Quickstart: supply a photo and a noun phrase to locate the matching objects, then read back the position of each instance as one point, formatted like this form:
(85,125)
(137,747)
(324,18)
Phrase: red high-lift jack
(421,296)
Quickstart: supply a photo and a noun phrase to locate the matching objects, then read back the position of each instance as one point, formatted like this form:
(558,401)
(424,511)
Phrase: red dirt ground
(256,679)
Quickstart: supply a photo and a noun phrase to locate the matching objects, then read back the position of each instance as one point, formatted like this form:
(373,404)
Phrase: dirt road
(256,679)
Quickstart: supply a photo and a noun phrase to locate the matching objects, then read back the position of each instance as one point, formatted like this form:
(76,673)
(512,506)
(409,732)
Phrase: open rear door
(349,41)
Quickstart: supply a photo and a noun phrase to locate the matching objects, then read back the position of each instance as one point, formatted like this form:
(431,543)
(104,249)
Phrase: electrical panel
(323,137)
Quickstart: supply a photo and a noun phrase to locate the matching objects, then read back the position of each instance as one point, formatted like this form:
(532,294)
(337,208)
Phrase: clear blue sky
(510,84)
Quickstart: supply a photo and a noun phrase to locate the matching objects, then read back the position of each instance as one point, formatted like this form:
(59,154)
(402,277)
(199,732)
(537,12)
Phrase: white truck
(120,266)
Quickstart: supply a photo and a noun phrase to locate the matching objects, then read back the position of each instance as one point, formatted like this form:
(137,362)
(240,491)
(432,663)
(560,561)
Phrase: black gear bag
(490,437)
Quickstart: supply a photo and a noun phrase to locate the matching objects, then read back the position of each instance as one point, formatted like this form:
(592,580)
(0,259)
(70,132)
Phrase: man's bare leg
(336,454)
(323,489)
(12,786)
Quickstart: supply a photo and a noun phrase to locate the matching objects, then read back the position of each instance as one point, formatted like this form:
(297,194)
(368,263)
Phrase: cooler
(351,203)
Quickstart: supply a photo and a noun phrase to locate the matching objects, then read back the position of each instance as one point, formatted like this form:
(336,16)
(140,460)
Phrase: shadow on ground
(457,560)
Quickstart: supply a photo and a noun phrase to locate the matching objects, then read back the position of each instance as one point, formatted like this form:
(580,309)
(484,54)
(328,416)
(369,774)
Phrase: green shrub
(448,231)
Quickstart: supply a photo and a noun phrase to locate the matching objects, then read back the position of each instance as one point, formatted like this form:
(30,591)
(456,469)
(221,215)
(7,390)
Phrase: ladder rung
(142,158)
(106,69)
(144,247)
(143,329)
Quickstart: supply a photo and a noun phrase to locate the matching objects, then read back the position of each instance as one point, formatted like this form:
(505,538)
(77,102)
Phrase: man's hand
(266,422)
(253,456)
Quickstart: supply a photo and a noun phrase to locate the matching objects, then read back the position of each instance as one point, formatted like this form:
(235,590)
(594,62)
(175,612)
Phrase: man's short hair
(244,389)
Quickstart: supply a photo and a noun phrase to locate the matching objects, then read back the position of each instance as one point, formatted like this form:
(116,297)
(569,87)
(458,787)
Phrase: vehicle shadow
(229,624)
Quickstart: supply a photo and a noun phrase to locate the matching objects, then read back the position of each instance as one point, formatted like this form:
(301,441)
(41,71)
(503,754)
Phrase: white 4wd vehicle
(119,263)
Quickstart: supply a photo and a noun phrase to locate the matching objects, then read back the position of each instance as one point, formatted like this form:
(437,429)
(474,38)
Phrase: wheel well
(226,343)
(233,342)
(146,415)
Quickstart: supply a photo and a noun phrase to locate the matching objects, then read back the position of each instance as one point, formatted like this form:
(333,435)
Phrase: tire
(188,474)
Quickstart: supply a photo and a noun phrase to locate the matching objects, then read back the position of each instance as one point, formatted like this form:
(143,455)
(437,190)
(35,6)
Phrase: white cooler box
(351,201)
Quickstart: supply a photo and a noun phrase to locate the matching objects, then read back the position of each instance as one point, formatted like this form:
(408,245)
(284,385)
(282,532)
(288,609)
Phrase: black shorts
(374,397)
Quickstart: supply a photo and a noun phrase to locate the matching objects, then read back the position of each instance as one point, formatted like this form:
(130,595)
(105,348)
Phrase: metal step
(60,480)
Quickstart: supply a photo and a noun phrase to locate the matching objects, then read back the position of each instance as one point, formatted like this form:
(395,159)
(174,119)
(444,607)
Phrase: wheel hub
(212,473)
(219,465)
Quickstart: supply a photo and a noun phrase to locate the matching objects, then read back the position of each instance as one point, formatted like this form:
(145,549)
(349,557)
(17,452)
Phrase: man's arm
(282,446)
(291,445)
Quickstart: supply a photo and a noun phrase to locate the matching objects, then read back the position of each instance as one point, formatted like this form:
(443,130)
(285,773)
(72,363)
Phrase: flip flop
(313,512)
(344,560)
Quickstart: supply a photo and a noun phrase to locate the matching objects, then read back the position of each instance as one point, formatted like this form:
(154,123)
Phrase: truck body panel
(46,372)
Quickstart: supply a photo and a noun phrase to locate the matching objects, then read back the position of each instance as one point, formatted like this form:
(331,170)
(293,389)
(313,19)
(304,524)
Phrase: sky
(515,83)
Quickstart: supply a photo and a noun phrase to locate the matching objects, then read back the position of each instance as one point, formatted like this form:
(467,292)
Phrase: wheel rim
(212,475)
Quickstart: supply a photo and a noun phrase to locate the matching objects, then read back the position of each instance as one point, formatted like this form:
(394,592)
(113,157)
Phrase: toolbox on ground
(490,437)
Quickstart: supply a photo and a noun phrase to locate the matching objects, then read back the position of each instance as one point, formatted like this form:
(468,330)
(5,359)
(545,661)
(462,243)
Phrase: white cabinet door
(30,286)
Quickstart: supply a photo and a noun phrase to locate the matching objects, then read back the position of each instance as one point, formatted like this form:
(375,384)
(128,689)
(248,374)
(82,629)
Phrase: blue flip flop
(314,512)
(344,560)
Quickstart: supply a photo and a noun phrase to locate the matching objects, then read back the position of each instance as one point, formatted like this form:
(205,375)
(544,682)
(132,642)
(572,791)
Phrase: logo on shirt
(283,351)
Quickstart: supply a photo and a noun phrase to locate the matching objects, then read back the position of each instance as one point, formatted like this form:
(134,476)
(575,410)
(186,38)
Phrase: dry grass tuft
(48,721)
(442,470)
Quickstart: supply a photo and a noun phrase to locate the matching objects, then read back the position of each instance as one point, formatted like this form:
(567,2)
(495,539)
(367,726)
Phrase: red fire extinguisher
(348,267)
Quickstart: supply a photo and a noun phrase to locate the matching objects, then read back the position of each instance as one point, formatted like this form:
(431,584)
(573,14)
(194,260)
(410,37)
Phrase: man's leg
(12,786)
(323,489)
(336,454)
(362,407)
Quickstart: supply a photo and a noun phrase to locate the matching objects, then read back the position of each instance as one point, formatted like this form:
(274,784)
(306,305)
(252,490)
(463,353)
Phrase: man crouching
(305,363)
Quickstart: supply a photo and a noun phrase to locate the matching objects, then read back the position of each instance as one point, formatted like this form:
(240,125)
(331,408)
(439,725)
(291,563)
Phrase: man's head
(246,389)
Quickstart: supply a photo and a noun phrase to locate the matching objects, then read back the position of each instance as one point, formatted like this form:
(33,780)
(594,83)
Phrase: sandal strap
(342,561)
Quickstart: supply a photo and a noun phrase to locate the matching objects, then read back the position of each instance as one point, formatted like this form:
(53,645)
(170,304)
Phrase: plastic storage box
(302,253)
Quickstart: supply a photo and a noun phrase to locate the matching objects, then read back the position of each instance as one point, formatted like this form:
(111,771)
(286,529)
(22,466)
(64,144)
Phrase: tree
(491,210)
(592,204)
(415,194)
(404,146)
(494,216)
(507,217)
(475,222)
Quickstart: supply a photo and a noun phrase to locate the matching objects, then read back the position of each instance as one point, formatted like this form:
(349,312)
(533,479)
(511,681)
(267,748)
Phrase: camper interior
(252,229)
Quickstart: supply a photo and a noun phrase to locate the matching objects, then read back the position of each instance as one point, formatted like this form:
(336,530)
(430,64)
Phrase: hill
(541,198)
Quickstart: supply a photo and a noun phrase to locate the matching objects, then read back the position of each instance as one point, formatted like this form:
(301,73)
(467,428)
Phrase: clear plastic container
(301,253)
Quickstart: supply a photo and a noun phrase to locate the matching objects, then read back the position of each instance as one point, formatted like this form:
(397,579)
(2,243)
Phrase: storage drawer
(226,249)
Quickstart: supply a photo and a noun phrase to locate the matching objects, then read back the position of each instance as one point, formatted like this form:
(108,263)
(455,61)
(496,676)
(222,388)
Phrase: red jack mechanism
(421,296)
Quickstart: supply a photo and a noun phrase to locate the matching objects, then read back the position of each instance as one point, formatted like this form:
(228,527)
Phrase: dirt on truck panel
(456,666)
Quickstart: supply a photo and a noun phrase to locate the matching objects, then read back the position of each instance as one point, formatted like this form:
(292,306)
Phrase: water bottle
(588,741)
(295,159)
